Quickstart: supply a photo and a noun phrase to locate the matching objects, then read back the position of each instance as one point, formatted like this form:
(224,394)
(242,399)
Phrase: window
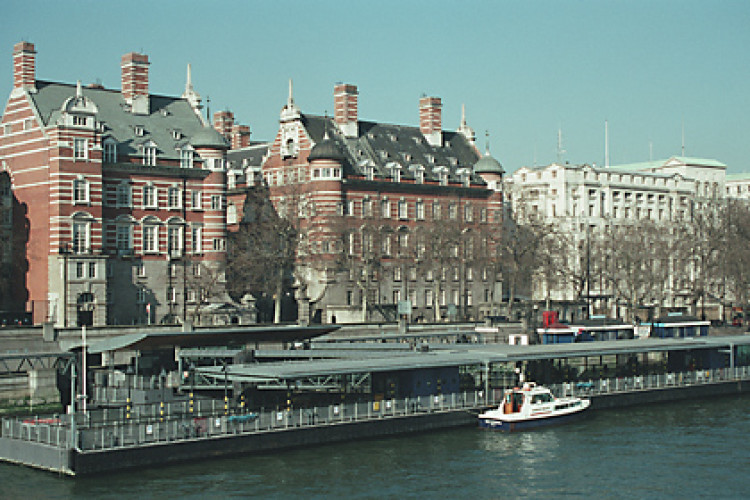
(92,269)
(396,296)
(140,296)
(385,208)
(436,212)
(80,237)
(172,270)
(219,244)
(140,270)
(110,152)
(403,210)
(28,124)
(186,158)
(80,190)
(469,299)
(149,196)
(403,242)
(174,241)
(452,211)
(468,213)
(216,202)
(196,200)
(150,239)
(396,273)
(351,206)
(80,151)
(174,197)
(482,215)
(171,295)
(197,238)
(367,207)
(428,297)
(79,270)
(149,155)
(123,195)
(420,210)
(123,240)
(387,244)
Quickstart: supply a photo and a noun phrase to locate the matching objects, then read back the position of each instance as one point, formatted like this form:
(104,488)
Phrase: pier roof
(442,355)
(209,337)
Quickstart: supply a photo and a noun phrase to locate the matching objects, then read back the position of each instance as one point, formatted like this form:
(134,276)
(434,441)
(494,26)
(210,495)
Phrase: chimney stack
(240,136)
(24,66)
(345,108)
(223,122)
(135,82)
(430,120)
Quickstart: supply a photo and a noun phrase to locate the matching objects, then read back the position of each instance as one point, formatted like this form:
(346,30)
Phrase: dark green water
(686,450)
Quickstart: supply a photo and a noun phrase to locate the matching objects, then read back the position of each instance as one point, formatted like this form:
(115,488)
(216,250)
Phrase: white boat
(532,406)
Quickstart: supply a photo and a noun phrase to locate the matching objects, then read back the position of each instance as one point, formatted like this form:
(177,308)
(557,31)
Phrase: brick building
(367,199)
(120,196)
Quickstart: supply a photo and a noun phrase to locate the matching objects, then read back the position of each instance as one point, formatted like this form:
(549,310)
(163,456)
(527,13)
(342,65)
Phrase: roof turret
(208,137)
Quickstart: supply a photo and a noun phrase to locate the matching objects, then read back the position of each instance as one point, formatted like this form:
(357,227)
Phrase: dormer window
(464,175)
(139,130)
(383,154)
(453,161)
(186,158)
(176,135)
(110,151)
(407,157)
(393,137)
(419,176)
(149,155)
(79,121)
(442,174)
(430,158)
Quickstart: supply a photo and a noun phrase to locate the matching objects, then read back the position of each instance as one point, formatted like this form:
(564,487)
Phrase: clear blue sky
(523,68)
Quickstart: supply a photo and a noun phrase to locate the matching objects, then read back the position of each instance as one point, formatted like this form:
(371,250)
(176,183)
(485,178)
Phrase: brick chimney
(240,136)
(430,120)
(24,66)
(135,82)
(223,122)
(345,108)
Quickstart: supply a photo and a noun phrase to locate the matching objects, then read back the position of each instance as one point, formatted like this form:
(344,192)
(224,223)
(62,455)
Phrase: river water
(697,449)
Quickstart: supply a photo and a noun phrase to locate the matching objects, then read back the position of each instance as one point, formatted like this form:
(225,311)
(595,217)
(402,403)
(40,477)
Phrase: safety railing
(205,419)
(148,424)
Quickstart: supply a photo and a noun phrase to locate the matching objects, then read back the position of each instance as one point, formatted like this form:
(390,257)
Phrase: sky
(654,70)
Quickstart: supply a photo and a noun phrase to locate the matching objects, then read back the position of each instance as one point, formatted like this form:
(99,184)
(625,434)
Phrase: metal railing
(148,424)
(204,419)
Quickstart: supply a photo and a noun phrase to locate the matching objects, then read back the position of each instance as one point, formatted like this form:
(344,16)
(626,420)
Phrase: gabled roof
(167,114)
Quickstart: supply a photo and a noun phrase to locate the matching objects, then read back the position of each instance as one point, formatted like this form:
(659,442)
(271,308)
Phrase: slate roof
(167,114)
(251,156)
(380,144)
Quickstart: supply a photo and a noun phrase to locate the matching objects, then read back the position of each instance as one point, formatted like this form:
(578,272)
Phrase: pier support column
(43,385)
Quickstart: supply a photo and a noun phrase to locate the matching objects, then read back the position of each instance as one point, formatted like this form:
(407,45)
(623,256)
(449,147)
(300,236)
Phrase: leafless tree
(262,253)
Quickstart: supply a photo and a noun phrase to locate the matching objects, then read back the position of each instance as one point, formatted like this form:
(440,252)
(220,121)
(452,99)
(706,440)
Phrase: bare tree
(262,253)
(205,284)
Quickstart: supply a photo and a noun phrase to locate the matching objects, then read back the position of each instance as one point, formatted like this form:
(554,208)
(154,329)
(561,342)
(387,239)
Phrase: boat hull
(529,424)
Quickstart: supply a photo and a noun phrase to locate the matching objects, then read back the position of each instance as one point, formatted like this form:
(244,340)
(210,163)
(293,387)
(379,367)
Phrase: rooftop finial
(487,142)
(79,91)
(463,115)
(291,95)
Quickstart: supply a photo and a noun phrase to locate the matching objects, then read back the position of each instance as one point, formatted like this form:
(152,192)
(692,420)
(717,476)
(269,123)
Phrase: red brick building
(372,202)
(120,195)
